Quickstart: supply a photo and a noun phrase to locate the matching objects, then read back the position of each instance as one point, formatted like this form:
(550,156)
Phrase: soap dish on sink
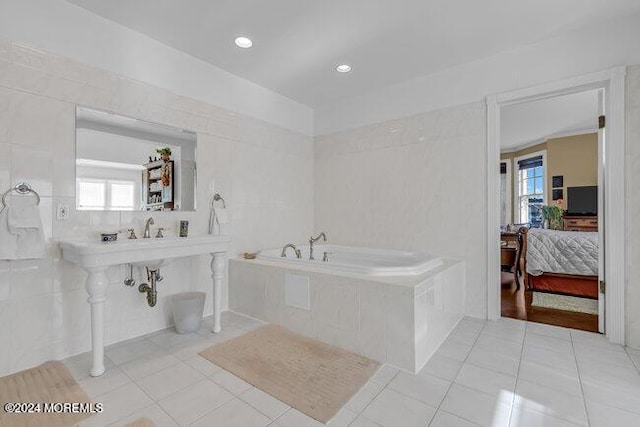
(108,237)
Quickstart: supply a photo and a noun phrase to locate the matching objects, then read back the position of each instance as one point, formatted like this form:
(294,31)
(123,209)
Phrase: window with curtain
(531,190)
(504,194)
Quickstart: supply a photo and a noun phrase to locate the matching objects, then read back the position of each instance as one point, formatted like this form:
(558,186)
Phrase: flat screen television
(582,200)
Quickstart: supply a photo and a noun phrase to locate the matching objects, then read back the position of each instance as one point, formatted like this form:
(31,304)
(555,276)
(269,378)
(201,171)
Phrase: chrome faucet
(312,240)
(297,251)
(147,228)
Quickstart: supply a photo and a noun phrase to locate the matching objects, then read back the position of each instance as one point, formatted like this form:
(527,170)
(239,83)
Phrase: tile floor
(503,373)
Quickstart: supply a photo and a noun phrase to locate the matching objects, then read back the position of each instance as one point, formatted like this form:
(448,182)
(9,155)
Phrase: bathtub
(355,260)
(396,307)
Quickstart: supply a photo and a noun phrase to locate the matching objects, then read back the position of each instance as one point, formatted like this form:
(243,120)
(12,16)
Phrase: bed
(561,262)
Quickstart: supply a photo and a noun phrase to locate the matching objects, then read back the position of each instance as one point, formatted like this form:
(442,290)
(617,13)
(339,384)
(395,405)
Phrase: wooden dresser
(580,223)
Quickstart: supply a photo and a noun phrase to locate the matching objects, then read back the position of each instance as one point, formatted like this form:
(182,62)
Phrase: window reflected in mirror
(125,164)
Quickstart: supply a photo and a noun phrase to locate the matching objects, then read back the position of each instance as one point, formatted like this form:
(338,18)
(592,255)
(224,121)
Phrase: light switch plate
(62,212)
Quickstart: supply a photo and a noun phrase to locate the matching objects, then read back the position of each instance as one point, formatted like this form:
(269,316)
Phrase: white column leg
(217,274)
(96,285)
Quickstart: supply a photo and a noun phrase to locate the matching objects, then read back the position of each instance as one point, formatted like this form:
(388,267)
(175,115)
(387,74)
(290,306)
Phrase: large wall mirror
(126,164)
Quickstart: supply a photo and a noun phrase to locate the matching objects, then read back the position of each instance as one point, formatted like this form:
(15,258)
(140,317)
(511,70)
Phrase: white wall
(632,158)
(593,49)
(264,172)
(71,31)
(416,183)
(109,147)
(375,193)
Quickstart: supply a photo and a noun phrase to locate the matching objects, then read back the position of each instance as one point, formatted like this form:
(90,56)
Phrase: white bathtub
(365,261)
(397,308)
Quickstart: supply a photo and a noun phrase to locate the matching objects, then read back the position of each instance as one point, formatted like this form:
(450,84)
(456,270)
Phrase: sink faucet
(147,228)
(283,254)
(132,233)
(313,240)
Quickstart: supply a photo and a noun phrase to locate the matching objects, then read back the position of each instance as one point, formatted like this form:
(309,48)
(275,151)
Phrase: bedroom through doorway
(551,210)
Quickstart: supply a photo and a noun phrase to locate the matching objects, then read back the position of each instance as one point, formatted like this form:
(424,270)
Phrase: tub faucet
(147,228)
(312,240)
(283,254)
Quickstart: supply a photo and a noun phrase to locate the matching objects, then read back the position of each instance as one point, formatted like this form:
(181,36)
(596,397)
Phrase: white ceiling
(532,122)
(297,44)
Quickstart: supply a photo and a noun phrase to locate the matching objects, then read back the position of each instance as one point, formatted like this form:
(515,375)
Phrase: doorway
(552,146)
(611,178)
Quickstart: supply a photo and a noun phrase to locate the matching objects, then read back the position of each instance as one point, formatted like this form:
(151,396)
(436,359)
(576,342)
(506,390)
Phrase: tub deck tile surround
(451,390)
(396,320)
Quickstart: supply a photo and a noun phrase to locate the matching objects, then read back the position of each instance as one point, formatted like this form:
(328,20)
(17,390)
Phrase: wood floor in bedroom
(517,305)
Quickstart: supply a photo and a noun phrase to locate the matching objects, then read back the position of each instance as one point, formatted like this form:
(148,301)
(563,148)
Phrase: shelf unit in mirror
(158,186)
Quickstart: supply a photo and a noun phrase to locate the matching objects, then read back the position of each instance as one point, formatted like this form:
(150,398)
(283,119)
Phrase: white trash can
(187,310)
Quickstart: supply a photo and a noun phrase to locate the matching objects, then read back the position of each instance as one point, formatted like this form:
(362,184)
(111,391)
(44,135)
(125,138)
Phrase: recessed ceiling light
(344,68)
(244,42)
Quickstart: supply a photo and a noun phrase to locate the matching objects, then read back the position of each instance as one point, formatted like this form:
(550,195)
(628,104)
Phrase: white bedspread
(568,252)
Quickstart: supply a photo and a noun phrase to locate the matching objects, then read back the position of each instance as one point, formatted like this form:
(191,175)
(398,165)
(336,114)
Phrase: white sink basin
(96,257)
(143,252)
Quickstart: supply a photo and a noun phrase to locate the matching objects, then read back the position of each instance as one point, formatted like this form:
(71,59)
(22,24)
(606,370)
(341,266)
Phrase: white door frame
(602,310)
(613,82)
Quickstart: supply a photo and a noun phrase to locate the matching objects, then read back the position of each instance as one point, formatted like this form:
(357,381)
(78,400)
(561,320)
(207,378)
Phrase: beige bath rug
(308,375)
(565,302)
(141,422)
(48,383)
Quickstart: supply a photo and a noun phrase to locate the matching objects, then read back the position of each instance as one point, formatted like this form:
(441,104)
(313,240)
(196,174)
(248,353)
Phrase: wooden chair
(511,255)
(523,250)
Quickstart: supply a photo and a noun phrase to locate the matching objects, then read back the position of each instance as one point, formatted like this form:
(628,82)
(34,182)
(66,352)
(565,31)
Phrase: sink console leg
(217,274)
(96,286)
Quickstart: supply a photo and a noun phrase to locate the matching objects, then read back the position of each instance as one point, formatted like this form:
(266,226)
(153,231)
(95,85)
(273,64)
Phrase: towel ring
(218,198)
(21,188)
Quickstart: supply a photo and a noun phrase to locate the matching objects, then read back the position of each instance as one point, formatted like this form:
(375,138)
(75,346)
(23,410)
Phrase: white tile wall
(264,172)
(416,183)
(419,183)
(384,320)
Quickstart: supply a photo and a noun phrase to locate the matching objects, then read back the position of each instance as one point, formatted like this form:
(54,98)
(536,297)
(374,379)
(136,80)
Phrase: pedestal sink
(96,257)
